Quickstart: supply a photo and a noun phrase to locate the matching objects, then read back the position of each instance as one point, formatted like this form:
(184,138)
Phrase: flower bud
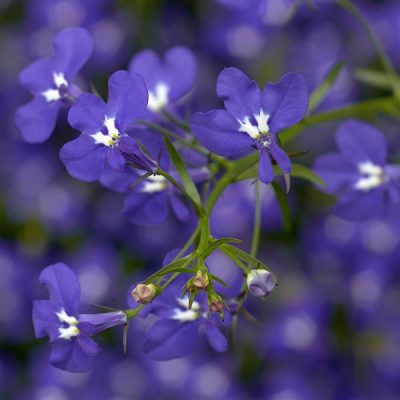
(201,280)
(144,293)
(216,305)
(260,282)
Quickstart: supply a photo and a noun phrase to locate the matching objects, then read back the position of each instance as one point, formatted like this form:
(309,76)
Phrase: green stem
(175,120)
(257,221)
(194,146)
(363,110)
(376,43)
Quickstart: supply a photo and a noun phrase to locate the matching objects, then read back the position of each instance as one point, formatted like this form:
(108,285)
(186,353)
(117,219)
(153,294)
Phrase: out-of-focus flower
(167,80)
(358,174)
(72,347)
(253,118)
(50,81)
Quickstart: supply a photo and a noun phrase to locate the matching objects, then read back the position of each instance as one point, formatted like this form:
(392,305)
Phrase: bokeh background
(332,328)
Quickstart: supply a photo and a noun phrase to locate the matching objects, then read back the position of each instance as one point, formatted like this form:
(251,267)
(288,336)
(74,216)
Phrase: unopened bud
(201,280)
(144,293)
(216,305)
(260,282)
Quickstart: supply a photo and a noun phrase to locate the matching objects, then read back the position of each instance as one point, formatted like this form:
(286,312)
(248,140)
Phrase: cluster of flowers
(120,146)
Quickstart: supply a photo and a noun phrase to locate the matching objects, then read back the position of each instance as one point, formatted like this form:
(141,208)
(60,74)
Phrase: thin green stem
(257,220)
(376,43)
(192,145)
(363,110)
(177,121)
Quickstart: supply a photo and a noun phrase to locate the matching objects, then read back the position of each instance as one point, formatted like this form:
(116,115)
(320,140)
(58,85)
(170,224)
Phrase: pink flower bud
(144,293)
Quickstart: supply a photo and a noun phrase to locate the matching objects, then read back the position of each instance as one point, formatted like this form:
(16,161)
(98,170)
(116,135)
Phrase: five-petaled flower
(167,80)
(358,174)
(104,128)
(72,347)
(253,118)
(51,81)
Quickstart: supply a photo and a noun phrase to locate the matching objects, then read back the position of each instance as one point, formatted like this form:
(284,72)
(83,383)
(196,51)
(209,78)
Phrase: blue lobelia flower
(358,174)
(50,80)
(72,347)
(175,334)
(167,80)
(252,118)
(104,138)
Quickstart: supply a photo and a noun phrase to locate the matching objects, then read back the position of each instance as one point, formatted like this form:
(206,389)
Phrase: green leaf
(218,243)
(235,259)
(186,179)
(372,78)
(246,257)
(322,90)
(218,279)
(181,263)
(300,171)
(283,204)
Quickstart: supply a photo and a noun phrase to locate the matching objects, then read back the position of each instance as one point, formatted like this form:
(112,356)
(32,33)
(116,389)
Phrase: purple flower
(50,81)
(104,138)
(252,118)
(72,347)
(358,174)
(175,334)
(167,80)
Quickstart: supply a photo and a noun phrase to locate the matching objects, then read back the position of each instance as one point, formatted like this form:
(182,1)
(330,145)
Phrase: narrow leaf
(300,171)
(218,279)
(373,78)
(186,179)
(218,243)
(322,90)
(283,204)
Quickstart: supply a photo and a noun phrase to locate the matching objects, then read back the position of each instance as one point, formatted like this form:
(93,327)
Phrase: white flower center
(111,138)
(55,94)
(158,99)
(372,176)
(72,329)
(186,314)
(255,131)
(154,184)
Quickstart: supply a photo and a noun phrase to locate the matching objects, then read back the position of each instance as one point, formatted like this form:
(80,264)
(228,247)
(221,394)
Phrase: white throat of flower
(154,184)
(55,94)
(186,314)
(72,329)
(255,131)
(372,176)
(111,138)
(158,99)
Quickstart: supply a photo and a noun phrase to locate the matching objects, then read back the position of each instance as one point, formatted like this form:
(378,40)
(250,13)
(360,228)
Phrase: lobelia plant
(138,144)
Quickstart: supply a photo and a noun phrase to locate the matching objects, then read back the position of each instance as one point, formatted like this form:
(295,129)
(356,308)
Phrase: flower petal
(63,286)
(168,339)
(115,159)
(285,101)
(45,321)
(336,171)
(145,209)
(281,158)
(215,337)
(70,356)
(241,96)
(87,114)
(127,98)
(218,131)
(180,210)
(265,170)
(72,48)
(36,120)
(83,159)
(38,76)
(360,142)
